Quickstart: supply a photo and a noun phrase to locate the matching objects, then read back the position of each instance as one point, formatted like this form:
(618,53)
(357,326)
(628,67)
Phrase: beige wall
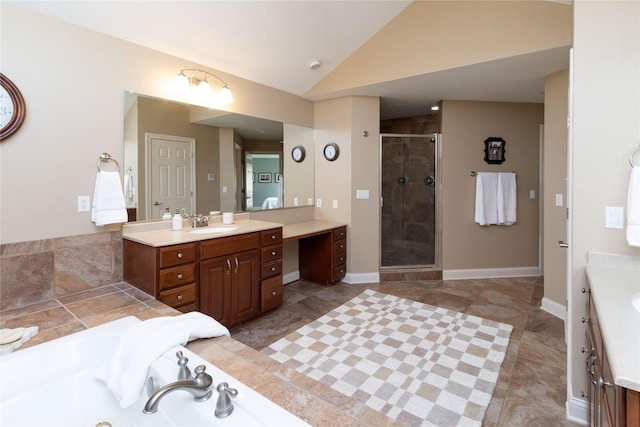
(605,129)
(73,82)
(343,121)
(556,99)
(465,126)
(438,34)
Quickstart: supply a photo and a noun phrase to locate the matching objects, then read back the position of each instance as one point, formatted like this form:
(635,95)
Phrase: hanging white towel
(507,201)
(129,191)
(633,208)
(125,370)
(108,201)
(486,198)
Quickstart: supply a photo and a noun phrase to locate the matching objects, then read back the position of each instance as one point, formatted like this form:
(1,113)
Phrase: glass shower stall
(409,182)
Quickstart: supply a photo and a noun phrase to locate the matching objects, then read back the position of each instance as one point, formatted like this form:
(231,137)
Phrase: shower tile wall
(408,226)
(41,270)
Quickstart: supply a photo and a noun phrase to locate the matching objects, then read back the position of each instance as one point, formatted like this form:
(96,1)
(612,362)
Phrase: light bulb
(225,95)
(204,89)
(182,82)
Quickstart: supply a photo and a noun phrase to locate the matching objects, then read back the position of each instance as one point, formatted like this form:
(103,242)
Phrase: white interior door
(170,174)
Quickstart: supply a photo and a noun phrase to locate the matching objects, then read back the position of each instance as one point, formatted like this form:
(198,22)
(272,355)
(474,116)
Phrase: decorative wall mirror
(221,141)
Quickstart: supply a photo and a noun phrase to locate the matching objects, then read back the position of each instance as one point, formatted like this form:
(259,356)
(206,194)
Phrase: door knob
(563,244)
(156,203)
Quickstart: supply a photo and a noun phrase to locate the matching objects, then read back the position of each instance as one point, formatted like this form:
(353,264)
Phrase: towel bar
(106,158)
(633,153)
(474,173)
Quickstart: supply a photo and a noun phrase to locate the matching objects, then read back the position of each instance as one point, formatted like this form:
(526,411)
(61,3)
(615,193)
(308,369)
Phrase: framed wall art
(494,150)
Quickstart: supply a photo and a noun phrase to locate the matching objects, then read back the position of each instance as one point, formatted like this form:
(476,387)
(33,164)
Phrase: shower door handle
(430,181)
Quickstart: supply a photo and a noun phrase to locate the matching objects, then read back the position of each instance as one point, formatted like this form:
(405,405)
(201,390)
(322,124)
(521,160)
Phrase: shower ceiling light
(198,82)
(435,108)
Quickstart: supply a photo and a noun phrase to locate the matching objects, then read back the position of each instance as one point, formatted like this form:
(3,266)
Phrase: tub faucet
(199,386)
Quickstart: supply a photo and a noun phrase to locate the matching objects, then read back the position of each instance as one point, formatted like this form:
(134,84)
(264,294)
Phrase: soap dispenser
(176,222)
(166,215)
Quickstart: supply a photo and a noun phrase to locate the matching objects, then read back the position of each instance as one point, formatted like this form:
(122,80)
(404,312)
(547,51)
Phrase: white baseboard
(290,277)
(577,411)
(491,273)
(554,308)
(355,278)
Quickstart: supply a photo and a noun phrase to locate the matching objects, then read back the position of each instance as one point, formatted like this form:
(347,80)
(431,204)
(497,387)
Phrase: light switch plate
(559,201)
(614,217)
(335,204)
(362,194)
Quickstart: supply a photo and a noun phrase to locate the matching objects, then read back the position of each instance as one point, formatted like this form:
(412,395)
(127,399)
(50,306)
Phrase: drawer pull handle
(274,293)
(273,253)
(179,255)
(273,269)
(179,297)
(180,276)
(273,237)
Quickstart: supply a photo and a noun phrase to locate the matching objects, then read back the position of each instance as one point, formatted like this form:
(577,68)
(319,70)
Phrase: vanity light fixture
(198,81)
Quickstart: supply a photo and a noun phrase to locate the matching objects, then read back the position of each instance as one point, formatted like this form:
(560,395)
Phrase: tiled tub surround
(41,270)
(531,389)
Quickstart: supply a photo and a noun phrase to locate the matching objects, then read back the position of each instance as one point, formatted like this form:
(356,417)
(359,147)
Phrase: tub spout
(199,386)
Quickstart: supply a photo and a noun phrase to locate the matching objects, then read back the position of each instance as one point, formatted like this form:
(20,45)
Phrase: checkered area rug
(416,363)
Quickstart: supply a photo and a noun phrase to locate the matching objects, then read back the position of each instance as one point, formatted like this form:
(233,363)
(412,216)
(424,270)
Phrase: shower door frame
(437,249)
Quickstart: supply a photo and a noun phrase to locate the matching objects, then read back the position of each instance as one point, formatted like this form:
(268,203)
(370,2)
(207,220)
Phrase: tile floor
(531,390)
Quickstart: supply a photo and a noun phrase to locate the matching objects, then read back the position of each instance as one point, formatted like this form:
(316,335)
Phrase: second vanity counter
(613,288)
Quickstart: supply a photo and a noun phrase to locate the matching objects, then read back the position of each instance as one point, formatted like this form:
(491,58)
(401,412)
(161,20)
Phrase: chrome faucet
(199,386)
(199,221)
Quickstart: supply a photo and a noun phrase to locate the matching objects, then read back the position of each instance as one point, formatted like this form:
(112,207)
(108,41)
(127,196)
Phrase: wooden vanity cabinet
(239,276)
(166,273)
(608,405)
(323,257)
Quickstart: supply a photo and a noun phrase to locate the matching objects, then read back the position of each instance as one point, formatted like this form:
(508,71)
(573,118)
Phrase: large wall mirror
(239,163)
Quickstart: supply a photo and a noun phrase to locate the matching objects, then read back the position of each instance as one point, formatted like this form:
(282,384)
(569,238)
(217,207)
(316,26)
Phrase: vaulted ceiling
(273,42)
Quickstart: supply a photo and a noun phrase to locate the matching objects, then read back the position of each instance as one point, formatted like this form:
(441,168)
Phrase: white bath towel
(486,198)
(129,191)
(108,201)
(270,203)
(507,201)
(125,371)
(633,208)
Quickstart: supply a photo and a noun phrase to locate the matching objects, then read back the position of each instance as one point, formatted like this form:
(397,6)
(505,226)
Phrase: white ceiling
(272,42)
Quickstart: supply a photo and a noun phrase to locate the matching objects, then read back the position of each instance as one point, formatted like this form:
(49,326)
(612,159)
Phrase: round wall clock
(298,153)
(12,108)
(331,151)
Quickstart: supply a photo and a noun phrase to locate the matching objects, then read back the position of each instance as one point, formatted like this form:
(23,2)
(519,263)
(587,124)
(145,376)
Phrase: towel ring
(106,158)
(633,153)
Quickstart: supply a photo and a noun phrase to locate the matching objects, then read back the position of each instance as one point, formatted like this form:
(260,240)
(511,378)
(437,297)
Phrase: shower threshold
(404,273)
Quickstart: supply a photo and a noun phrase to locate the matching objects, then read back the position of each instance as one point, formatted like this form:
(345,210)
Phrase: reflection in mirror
(199,160)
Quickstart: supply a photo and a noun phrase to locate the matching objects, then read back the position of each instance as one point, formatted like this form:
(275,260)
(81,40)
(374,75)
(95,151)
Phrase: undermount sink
(635,300)
(217,229)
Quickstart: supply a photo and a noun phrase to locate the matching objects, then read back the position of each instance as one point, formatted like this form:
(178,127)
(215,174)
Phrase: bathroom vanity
(232,273)
(613,347)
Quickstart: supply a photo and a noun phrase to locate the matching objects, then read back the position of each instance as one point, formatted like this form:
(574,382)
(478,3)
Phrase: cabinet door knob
(273,269)
(273,293)
(179,297)
(273,237)
(180,276)
(179,255)
(273,253)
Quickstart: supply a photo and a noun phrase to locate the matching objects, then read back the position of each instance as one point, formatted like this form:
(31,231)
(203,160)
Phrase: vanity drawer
(339,246)
(175,276)
(178,297)
(270,237)
(271,253)
(228,245)
(340,258)
(271,268)
(340,233)
(271,293)
(339,272)
(178,254)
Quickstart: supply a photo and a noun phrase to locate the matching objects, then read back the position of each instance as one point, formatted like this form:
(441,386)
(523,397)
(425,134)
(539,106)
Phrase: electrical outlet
(335,204)
(318,203)
(84,204)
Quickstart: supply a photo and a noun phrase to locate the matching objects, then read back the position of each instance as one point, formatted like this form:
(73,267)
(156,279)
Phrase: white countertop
(612,289)
(165,236)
